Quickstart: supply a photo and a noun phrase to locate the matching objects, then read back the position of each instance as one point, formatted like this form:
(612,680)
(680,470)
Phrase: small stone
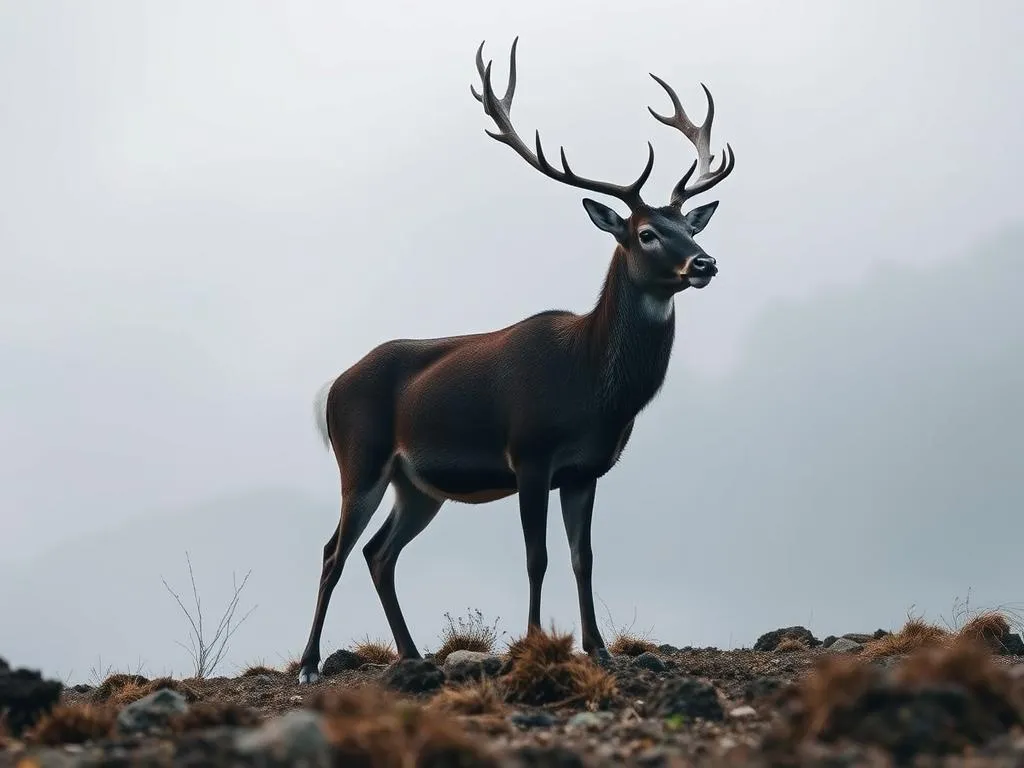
(769,641)
(152,711)
(727,742)
(649,661)
(667,649)
(688,697)
(532,719)
(341,661)
(471,665)
(845,645)
(294,738)
(413,676)
(859,637)
(743,711)
(590,720)
(296,699)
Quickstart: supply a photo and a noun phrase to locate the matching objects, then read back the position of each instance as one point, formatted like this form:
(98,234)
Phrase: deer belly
(474,481)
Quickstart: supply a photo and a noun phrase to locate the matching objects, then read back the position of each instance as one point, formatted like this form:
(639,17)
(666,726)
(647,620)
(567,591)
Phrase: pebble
(532,719)
(743,711)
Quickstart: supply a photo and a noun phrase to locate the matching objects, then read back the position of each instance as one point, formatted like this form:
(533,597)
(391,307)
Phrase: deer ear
(607,219)
(698,218)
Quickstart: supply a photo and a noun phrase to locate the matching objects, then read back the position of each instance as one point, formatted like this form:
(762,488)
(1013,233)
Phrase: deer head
(662,255)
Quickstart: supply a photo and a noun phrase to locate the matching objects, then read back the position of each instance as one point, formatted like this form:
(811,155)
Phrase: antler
(700,137)
(498,111)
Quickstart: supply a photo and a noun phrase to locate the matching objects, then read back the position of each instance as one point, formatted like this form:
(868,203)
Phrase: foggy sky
(206,211)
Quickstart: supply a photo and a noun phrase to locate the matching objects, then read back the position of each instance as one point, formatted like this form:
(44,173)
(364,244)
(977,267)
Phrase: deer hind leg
(534,489)
(412,512)
(357,507)
(577,513)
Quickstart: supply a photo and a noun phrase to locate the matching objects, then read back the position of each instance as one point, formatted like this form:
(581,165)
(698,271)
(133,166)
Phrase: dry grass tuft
(292,667)
(915,635)
(260,669)
(544,670)
(114,683)
(370,727)
(131,691)
(790,645)
(941,699)
(626,644)
(74,724)
(211,714)
(466,634)
(988,628)
(483,697)
(376,651)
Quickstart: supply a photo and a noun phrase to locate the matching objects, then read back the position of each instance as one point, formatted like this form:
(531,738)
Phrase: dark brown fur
(546,403)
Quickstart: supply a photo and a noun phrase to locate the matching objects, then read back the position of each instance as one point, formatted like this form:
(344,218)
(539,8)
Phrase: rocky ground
(793,700)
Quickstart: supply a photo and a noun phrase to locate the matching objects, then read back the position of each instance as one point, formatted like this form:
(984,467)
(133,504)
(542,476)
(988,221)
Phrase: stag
(546,403)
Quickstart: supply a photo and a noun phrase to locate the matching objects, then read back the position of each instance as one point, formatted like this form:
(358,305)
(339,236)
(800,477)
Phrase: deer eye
(647,236)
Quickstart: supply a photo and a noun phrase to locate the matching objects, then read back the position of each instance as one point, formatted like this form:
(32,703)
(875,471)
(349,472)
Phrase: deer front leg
(577,514)
(534,487)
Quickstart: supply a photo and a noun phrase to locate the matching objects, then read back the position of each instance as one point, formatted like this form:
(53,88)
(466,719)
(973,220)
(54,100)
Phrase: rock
(294,738)
(827,642)
(532,719)
(591,720)
(743,712)
(845,645)
(667,649)
(152,711)
(471,665)
(413,676)
(341,661)
(879,634)
(649,661)
(688,697)
(25,696)
(81,688)
(769,641)
(859,637)
(1012,645)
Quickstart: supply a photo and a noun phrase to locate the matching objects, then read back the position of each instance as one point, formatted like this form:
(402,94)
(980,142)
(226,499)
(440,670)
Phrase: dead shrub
(483,697)
(211,714)
(941,699)
(467,634)
(368,727)
(376,651)
(790,645)
(73,724)
(544,670)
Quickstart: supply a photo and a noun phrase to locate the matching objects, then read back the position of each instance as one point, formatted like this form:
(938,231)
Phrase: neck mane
(628,338)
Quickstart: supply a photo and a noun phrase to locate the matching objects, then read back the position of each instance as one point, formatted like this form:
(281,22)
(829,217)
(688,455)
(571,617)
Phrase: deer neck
(629,339)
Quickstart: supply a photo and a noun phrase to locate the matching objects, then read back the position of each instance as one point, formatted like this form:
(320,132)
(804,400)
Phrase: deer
(546,403)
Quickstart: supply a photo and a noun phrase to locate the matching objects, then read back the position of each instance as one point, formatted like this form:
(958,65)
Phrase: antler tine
(498,110)
(700,137)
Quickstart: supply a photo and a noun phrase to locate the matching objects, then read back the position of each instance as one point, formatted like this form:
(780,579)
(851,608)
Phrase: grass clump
(73,724)
(471,633)
(544,669)
(260,669)
(483,697)
(121,689)
(375,651)
(940,699)
(790,645)
(371,727)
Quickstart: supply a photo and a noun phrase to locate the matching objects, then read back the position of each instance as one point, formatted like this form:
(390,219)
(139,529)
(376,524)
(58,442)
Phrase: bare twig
(207,652)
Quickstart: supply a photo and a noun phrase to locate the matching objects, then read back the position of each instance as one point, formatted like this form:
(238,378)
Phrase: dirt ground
(789,706)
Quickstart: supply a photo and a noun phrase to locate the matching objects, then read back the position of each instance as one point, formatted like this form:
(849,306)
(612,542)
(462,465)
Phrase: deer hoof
(307,676)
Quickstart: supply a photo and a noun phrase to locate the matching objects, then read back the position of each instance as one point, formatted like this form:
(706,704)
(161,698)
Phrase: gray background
(209,209)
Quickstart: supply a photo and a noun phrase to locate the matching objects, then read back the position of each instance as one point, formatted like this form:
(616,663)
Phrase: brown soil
(706,707)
